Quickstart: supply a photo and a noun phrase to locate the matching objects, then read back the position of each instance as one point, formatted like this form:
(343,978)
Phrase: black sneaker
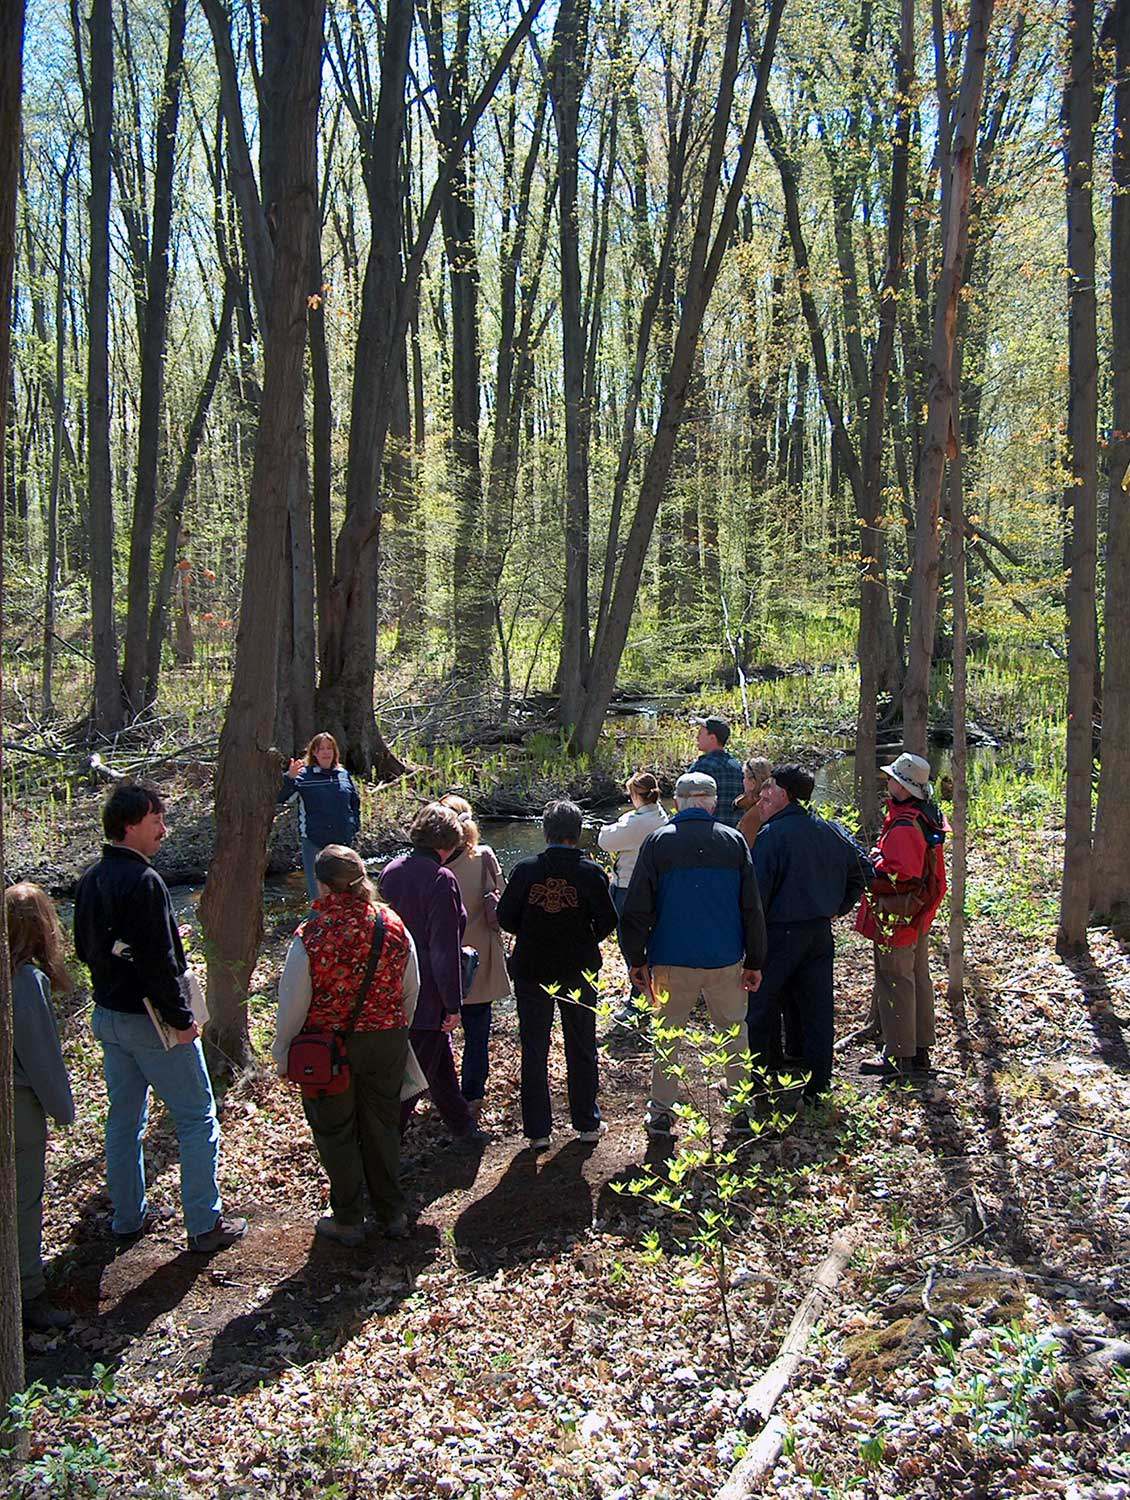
(224,1232)
(42,1316)
(659,1124)
(921,1063)
(470,1142)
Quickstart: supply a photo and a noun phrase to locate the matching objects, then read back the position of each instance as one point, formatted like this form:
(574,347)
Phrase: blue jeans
(310,852)
(133,1062)
(476,1055)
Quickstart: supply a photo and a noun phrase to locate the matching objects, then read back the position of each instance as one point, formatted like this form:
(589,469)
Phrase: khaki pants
(726,1004)
(904,997)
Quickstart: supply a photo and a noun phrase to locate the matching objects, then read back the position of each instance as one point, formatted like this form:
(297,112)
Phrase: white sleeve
(411,989)
(618,837)
(294,999)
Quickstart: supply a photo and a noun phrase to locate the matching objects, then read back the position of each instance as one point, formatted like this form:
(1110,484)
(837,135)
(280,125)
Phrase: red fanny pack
(316,1060)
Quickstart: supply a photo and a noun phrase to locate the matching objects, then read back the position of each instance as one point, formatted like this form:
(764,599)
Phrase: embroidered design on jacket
(554,895)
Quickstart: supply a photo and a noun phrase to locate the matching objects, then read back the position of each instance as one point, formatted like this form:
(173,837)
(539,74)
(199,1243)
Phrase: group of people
(730,900)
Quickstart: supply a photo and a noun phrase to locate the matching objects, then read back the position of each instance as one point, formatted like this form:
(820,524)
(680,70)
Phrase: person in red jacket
(897,913)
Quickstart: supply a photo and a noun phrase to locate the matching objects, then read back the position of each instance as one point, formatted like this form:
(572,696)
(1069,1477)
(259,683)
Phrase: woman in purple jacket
(425,895)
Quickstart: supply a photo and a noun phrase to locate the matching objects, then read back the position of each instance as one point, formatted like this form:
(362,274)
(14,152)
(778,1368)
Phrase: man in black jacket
(126,934)
(560,908)
(808,871)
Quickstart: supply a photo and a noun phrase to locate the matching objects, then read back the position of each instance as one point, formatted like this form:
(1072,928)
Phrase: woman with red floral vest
(897,913)
(357,1131)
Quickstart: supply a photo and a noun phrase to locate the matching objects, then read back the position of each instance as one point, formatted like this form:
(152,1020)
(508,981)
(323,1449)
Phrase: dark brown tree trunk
(152,374)
(705,262)
(940,436)
(107,713)
(960,762)
(11,1333)
(247,774)
(566,75)
(876,633)
(1080,500)
(1111,879)
(59,428)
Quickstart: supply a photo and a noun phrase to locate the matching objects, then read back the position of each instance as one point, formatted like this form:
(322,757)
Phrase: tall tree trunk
(248,770)
(175,500)
(107,714)
(566,85)
(11,1339)
(59,426)
(876,632)
(1080,501)
(960,762)
(940,437)
(152,380)
(705,262)
(1111,880)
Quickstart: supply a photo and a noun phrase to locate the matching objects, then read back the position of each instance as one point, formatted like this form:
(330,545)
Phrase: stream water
(284,897)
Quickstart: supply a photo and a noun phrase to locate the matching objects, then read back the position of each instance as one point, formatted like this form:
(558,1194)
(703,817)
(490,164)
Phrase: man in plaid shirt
(715,761)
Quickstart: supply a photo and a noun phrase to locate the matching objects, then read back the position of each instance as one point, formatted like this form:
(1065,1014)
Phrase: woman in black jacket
(559,907)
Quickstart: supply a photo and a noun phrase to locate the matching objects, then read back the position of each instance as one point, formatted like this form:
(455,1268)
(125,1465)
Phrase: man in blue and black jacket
(808,871)
(692,925)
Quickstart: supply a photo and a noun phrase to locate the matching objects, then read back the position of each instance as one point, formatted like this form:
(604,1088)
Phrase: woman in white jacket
(623,838)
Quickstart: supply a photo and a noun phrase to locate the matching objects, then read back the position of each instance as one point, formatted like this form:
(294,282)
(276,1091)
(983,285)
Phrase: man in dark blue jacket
(808,871)
(691,926)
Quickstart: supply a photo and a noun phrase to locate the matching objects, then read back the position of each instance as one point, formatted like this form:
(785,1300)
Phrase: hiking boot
(470,1142)
(872,1032)
(658,1123)
(330,1228)
(921,1063)
(739,1124)
(42,1316)
(224,1232)
(155,1218)
(396,1228)
(589,1136)
(888,1068)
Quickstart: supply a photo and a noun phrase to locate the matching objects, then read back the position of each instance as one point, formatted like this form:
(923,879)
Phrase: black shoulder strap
(370,970)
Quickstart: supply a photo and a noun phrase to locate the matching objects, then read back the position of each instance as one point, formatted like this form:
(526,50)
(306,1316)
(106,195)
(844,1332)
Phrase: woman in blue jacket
(41,1087)
(329,809)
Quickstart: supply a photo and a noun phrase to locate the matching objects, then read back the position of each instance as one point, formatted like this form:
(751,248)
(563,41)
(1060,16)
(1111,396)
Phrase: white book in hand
(194,998)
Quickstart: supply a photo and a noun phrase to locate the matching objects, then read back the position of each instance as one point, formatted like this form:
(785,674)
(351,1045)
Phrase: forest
(501,386)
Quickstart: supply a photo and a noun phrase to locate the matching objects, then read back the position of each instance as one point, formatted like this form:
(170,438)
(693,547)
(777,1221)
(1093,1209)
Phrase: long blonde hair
(34,934)
(466,815)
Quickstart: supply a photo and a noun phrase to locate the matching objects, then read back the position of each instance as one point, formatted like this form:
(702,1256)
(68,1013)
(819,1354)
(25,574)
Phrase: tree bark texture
(11,1331)
(940,437)
(959,765)
(566,85)
(248,771)
(58,434)
(152,386)
(1080,500)
(1111,880)
(876,631)
(702,273)
(107,715)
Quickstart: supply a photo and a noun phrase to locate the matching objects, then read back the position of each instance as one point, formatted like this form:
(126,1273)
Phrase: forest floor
(524,1343)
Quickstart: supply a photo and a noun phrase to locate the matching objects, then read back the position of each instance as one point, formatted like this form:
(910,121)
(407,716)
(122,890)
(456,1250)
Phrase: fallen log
(762,1455)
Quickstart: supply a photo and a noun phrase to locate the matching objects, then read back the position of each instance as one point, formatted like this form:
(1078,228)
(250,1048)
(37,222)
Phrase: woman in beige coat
(480,884)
